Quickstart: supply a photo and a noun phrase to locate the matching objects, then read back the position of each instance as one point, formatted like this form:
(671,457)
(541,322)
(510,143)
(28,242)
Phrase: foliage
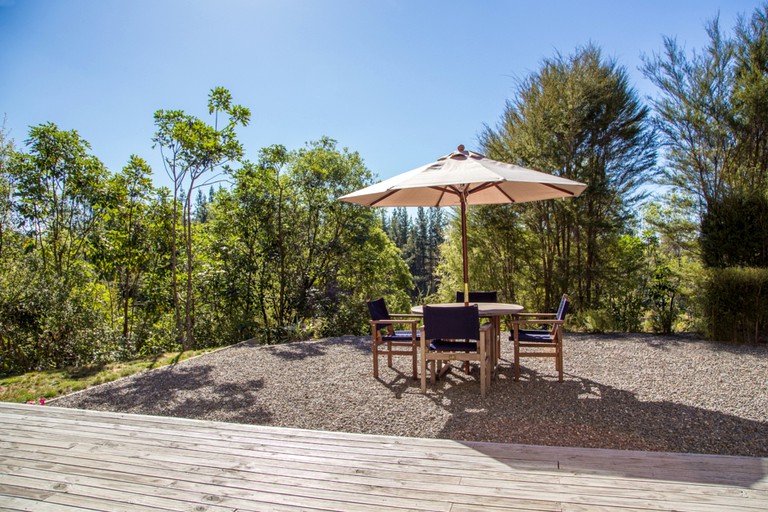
(712,113)
(419,242)
(734,231)
(694,117)
(499,257)
(52,310)
(191,150)
(60,196)
(736,304)
(625,293)
(579,118)
(6,189)
(664,303)
(671,217)
(46,322)
(291,259)
(121,247)
(98,266)
(749,97)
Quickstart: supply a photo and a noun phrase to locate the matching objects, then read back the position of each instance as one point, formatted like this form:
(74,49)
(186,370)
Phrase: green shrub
(734,231)
(591,320)
(735,303)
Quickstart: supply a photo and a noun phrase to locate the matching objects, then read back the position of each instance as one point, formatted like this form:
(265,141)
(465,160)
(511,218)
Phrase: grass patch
(54,383)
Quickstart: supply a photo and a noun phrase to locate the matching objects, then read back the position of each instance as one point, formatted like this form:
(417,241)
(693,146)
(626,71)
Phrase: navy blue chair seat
(398,336)
(456,346)
(534,335)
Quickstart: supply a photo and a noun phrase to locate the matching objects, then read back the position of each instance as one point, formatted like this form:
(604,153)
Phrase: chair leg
(483,363)
(414,354)
(517,361)
(492,358)
(375,359)
(423,360)
(389,356)
(496,343)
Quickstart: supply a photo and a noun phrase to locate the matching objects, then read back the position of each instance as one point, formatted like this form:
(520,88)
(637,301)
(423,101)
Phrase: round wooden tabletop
(484,308)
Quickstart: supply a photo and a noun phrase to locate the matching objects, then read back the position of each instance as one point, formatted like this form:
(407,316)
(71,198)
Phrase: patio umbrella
(463,178)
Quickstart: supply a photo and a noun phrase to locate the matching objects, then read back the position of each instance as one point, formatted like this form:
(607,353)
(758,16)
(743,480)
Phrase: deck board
(63,459)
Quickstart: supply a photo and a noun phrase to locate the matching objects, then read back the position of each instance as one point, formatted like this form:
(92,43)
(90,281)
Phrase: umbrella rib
(504,193)
(382,198)
(440,197)
(481,187)
(559,189)
(449,189)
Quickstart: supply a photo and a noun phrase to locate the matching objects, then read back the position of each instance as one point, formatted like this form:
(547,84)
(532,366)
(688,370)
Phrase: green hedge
(736,304)
(734,232)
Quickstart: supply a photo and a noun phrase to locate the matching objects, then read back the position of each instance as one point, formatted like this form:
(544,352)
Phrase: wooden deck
(64,459)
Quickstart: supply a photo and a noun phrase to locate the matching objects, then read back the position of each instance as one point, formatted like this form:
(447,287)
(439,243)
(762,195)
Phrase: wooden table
(492,310)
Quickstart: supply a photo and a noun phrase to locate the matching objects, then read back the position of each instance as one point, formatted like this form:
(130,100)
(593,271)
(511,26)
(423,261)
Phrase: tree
(750,98)
(122,249)
(325,229)
(435,238)
(253,239)
(419,240)
(288,260)
(200,210)
(578,117)
(51,305)
(734,232)
(61,193)
(694,116)
(417,250)
(191,150)
(399,227)
(711,112)
(6,187)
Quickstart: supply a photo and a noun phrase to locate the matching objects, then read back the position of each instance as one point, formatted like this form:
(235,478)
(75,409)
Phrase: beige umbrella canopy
(463,178)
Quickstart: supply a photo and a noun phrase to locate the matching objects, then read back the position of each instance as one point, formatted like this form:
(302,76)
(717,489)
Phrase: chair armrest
(552,321)
(393,321)
(486,334)
(536,315)
(402,315)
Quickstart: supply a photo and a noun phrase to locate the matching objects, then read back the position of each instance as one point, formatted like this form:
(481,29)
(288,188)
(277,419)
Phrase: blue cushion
(399,336)
(453,346)
(533,335)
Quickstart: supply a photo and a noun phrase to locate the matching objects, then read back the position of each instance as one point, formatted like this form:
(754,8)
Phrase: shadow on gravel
(667,341)
(752,349)
(175,391)
(298,351)
(302,350)
(538,411)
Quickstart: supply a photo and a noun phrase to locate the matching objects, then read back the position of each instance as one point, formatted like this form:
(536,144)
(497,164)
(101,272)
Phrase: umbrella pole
(464,246)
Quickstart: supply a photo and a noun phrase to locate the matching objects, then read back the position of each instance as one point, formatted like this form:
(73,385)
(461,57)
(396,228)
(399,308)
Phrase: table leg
(496,343)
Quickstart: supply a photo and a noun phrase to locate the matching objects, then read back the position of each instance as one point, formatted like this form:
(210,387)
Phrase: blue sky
(402,82)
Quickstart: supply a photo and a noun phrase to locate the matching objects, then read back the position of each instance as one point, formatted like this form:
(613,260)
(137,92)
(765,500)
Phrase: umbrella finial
(461,148)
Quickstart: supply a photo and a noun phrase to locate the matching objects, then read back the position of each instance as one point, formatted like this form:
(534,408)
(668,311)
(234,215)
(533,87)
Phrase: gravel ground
(621,391)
